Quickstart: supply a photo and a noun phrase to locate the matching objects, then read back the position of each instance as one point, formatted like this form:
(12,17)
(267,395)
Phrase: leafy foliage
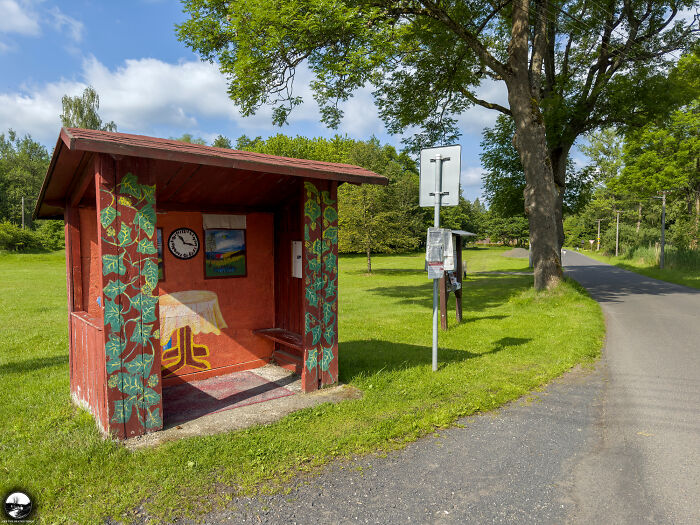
(81,112)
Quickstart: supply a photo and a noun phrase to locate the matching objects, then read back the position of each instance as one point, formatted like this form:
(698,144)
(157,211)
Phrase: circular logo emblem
(18,505)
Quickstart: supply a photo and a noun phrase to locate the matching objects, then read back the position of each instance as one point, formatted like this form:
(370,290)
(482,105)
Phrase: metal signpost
(439,186)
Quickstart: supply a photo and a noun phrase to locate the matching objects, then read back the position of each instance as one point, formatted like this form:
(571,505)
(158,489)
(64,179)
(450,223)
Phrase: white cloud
(471,176)
(59,20)
(18,17)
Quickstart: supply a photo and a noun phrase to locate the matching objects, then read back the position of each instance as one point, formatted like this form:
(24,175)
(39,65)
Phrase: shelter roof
(210,169)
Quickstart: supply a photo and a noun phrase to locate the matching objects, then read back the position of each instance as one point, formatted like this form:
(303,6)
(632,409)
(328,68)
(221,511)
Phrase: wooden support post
(459,273)
(74,280)
(442,287)
(127,217)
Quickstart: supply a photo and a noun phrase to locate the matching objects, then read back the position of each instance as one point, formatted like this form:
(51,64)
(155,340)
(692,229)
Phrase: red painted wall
(246,303)
(91,263)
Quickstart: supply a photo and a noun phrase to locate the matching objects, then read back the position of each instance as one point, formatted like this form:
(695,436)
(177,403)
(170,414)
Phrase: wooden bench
(292,357)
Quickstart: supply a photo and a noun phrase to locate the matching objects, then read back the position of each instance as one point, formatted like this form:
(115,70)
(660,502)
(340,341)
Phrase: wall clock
(183,243)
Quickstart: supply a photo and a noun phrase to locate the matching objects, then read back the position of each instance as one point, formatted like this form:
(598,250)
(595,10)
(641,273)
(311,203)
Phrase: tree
(81,112)
(371,218)
(222,142)
(568,67)
(23,164)
(190,139)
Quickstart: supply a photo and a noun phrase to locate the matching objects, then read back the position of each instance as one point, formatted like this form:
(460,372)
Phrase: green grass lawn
(685,276)
(512,340)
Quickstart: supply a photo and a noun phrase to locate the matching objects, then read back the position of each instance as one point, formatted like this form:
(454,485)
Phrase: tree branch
(483,103)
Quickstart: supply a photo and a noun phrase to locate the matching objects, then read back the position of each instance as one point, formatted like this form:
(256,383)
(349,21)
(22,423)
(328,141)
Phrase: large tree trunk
(542,197)
(541,194)
(558,157)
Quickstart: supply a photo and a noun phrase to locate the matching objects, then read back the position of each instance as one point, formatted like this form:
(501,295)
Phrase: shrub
(51,234)
(12,237)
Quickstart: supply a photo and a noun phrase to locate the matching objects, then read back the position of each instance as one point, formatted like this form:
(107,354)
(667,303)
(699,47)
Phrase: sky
(149,83)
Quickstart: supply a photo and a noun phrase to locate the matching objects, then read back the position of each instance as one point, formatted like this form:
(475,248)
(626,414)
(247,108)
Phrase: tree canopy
(569,67)
(81,111)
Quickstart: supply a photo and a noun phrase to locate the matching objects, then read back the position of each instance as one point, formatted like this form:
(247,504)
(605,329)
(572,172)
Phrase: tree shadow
(388,271)
(371,356)
(477,295)
(17,367)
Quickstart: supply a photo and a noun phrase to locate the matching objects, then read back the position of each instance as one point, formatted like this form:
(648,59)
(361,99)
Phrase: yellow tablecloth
(198,309)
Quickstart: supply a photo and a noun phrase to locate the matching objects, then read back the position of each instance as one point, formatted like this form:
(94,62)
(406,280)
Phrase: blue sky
(149,83)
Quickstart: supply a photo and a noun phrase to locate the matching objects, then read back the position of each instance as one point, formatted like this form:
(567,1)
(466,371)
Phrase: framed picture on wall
(159,245)
(225,253)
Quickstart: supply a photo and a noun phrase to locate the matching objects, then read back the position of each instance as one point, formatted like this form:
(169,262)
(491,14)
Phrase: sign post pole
(436,282)
(441,190)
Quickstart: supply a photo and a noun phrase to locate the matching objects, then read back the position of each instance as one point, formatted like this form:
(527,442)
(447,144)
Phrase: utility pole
(663,229)
(598,247)
(617,234)
(23,213)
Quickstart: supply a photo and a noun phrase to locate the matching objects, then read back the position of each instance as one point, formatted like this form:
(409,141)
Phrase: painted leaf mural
(130,314)
(320,281)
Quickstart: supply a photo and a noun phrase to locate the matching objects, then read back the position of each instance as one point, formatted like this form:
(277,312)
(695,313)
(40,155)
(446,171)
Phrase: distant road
(618,445)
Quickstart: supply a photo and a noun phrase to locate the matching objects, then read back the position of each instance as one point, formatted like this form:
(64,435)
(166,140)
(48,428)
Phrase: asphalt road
(619,444)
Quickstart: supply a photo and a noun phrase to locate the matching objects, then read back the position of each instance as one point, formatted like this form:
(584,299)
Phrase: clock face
(183,243)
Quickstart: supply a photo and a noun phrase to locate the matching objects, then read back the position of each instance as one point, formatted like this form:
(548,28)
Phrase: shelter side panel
(212,301)
(91,263)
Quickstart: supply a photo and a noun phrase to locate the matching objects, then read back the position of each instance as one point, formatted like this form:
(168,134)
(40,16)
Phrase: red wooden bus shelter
(186,262)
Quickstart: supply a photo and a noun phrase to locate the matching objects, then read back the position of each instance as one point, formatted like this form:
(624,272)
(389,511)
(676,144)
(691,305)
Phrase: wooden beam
(82,182)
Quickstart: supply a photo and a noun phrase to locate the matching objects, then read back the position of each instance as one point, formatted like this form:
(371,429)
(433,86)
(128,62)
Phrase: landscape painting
(225,253)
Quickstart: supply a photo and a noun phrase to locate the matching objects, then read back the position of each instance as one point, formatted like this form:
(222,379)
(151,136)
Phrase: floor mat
(192,400)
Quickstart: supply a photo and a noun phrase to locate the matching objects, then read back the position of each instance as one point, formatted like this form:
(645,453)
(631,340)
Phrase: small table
(185,314)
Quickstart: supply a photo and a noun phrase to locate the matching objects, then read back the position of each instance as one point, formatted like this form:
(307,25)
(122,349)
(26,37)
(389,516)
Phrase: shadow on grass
(371,356)
(30,365)
(478,294)
(389,271)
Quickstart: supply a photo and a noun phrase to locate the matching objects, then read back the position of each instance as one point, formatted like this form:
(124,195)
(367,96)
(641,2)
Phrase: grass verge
(511,341)
(687,276)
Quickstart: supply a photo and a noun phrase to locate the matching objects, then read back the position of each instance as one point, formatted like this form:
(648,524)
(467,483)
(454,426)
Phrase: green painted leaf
(331,234)
(150,397)
(113,365)
(307,236)
(330,261)
(145,218)
(124,236)
(122,410)
(147,246)
(311,296)
(130,384)
(326,358)
(114,288)
(329,335)
(107,216)
(129,185)
(140,365)
(311,359)
(318,283)
(311,188)
(331,289)
(309,321)
(313,211)
(330,215)
(149,270)
(149,193)
(326,198)
(115,346)
(142,333)
(113,315)
(315,334)
(328,313)
(113,264)
(153,419)
(314,265)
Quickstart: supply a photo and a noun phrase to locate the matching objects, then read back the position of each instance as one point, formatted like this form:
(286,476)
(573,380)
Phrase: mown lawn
(511,341)
(685,276)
